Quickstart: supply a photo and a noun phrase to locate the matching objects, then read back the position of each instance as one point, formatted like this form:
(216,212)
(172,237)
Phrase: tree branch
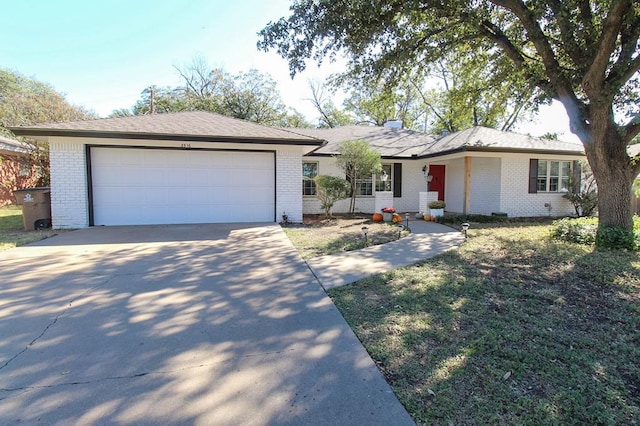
(631,130)
(567,33)
(593,81)
(563,88)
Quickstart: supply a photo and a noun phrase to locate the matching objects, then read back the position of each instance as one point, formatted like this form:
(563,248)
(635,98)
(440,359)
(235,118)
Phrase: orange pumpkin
(396,218)
(427,217)
(377,217)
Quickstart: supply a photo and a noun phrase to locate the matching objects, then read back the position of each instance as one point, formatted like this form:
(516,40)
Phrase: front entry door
(437,183)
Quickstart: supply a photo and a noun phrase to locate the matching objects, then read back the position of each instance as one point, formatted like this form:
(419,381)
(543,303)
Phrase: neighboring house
(188,167)
(475,171)
(195,167)
(16,169)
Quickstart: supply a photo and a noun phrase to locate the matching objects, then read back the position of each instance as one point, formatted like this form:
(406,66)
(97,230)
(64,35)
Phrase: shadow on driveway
(205,324)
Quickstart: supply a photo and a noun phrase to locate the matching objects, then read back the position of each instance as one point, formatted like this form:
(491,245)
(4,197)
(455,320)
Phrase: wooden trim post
(467,185)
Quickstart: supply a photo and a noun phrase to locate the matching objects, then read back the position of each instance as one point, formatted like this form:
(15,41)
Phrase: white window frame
(552,176)
(307,181)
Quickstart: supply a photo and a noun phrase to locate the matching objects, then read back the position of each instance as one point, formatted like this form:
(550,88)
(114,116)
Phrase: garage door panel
(138,186)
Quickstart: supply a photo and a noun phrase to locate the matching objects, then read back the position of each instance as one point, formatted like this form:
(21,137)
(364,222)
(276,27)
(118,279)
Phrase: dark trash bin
(36,207)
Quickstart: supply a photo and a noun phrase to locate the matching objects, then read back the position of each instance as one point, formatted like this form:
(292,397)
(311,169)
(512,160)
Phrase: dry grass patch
(317,236)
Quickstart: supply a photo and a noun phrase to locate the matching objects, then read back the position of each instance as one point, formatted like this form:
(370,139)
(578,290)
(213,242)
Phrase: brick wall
(515,197)
(289,185)
(69,203)
(485,185)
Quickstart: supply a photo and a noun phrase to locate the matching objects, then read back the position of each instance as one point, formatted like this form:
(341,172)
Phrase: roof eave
(46,133)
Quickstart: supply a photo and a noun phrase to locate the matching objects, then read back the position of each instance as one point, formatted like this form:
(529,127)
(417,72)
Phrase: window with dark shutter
(397,180)
(533,176)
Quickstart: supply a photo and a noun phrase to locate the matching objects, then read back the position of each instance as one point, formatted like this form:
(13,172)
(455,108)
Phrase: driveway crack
(57,317)
(134,376)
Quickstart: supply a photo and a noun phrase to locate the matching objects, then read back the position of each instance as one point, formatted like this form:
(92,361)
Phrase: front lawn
(320,237)
(512,328)
(12,232)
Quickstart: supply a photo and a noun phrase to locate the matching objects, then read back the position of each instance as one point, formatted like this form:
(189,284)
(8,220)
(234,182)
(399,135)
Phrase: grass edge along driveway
(12,233)
(512,328)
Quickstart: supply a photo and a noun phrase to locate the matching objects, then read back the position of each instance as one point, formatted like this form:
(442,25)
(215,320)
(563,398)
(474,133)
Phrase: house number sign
(185,145)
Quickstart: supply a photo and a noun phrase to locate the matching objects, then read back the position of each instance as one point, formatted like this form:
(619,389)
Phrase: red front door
(437,183)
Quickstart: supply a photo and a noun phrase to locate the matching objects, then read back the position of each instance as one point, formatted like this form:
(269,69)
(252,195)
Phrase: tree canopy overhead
(25,101)
(582,53)
(251,96)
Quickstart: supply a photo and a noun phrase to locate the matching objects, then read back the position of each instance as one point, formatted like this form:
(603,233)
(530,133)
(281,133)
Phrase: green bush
(580,230)
(477,218)
(585,230)
(615,237)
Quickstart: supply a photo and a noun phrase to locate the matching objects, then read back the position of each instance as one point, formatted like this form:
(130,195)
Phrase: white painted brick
(69,203)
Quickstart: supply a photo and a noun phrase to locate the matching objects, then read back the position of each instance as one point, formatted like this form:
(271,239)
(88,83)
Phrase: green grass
(512,328)
(12,232)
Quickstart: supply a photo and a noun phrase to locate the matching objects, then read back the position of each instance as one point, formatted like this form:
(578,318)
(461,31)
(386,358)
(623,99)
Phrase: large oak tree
(582,53)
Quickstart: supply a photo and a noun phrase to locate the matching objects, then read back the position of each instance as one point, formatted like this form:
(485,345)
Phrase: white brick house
(189,167)
(475,171)
(196,167)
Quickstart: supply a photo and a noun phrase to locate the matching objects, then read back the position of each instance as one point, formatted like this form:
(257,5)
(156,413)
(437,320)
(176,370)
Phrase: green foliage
(251,96)
(586,230)
(455,219)
(25,101)
(582,190)
(439,204)
(615,238)
(330,115)
(358,161)
(581,230)
(330,189)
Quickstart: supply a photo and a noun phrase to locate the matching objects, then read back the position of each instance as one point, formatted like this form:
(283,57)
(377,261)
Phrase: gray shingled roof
(403,143)
(388,141)
(191,125)
(485,139)
(13,147)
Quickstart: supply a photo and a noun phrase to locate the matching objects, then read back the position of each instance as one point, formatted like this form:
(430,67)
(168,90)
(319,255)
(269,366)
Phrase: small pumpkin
(396,218)
(377,217)
(427,217)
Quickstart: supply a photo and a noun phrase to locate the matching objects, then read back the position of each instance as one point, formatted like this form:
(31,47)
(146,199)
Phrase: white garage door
(157,186)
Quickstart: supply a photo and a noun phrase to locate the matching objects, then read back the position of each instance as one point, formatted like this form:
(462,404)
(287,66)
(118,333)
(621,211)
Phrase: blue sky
(103,54)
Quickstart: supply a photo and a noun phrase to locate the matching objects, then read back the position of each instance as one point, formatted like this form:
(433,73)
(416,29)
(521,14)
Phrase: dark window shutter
(397,180)
(533,176)
(577,174)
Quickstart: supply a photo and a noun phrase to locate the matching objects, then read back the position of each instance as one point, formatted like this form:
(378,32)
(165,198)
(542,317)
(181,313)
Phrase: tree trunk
(612,170)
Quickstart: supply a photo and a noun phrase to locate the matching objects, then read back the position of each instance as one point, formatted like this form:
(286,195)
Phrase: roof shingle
(404,143)
(198,125)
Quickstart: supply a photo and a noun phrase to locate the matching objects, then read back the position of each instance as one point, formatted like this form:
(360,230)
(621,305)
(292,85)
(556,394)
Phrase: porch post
(467,185)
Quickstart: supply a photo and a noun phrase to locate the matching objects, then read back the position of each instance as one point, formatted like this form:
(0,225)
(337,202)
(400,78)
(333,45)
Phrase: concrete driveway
(188,324)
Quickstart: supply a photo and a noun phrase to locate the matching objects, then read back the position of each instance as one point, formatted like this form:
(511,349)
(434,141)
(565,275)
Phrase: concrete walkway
(427,239)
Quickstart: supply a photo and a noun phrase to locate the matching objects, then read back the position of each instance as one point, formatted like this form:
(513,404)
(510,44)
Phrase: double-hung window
(384,180)
(309,172)
(552,176)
